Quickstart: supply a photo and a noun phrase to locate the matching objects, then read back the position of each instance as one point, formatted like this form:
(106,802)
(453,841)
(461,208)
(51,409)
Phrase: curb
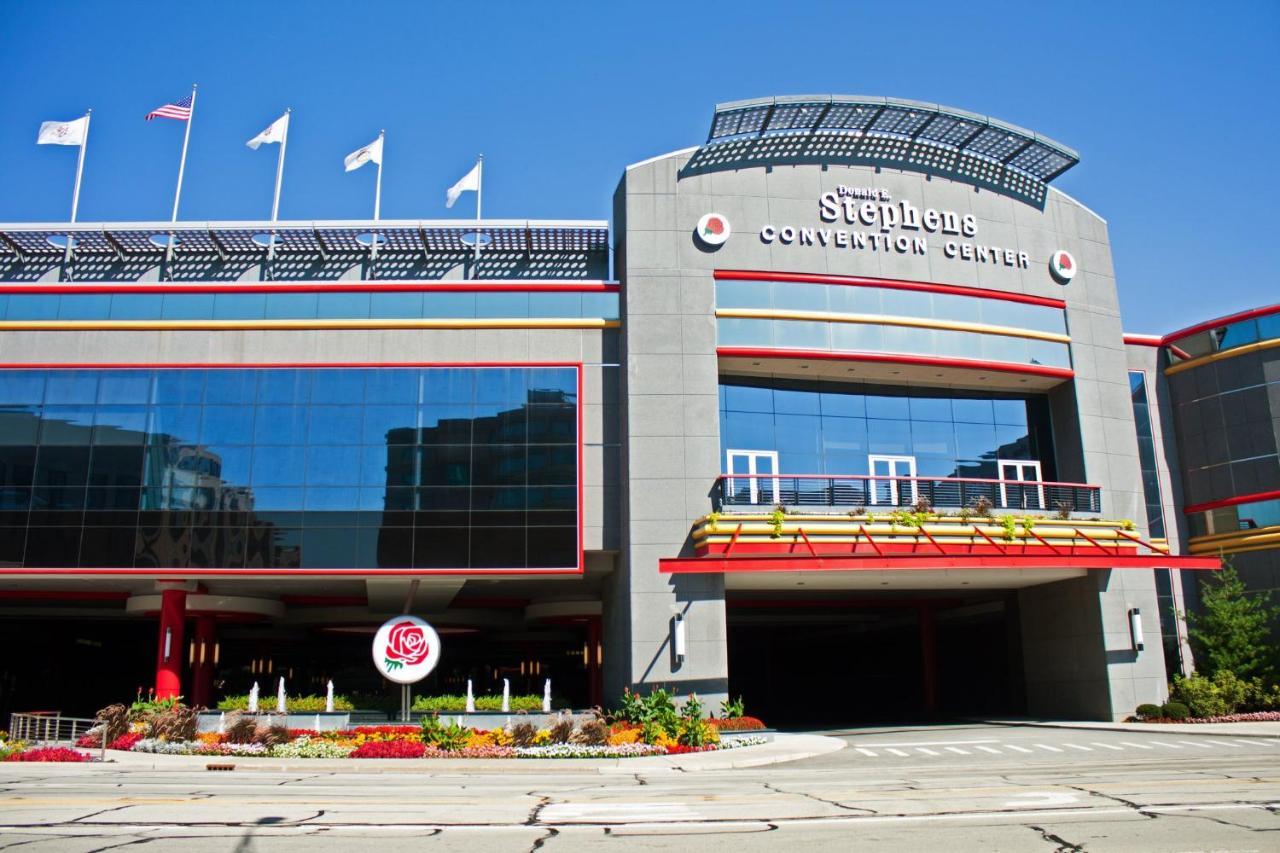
(1133,728)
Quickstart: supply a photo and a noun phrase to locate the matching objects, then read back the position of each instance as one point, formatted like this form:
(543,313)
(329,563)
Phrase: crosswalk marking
(1047,747)
(1271,740)
(957,750)
(1248,742)
(1224,743)
(1018,748)
(926,750)
(999,748)
(1107,746)
(990,750)
(1136,745)
(866,752)
(1195,743)
(1078,746)
(1162,743)
(897,752)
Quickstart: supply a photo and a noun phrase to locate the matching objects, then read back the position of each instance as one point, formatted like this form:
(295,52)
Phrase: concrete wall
(672,450)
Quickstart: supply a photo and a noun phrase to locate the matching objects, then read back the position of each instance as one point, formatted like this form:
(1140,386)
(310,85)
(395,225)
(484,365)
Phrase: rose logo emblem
(406,644)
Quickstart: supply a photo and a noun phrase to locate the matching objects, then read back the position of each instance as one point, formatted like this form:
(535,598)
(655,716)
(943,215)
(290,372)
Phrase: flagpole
(377,193)
(479,192)
(182,166)
(84,143)
(284,142)
(275,200)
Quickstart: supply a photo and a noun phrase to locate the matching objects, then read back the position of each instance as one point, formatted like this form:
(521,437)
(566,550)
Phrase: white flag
(275,132)
(63,132)
(370,153)
(470,181)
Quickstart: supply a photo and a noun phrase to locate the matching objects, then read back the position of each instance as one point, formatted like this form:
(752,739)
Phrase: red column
(929,658)
(202,666)
(595,673)
(169,649)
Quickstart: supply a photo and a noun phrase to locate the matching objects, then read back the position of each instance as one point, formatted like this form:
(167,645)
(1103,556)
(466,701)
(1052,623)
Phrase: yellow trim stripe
(888,320)
(218,325)
(1220,356)
(1236,534)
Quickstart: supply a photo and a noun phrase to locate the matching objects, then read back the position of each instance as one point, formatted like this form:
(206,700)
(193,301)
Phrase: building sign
(713,229)
(1063,266)
(406,649)
(864,219)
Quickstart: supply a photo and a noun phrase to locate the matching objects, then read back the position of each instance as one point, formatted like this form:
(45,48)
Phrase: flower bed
(48,753)
(737,724)
(1252,717)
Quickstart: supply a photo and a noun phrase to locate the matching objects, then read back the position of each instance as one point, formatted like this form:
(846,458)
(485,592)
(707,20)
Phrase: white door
(891,489)
(1021,471)
(759,465)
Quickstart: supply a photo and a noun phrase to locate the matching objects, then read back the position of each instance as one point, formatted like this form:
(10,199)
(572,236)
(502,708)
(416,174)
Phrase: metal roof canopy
(854,129)
(143,239)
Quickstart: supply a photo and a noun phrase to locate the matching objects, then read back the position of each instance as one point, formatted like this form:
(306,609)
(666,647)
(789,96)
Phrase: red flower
(390,749)
(407,644)
(48,753)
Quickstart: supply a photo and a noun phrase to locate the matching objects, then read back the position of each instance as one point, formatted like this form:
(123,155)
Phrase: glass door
(889,483)
(760,468)
(1015,471)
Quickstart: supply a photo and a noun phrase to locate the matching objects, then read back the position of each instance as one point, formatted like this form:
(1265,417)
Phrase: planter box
(209,721)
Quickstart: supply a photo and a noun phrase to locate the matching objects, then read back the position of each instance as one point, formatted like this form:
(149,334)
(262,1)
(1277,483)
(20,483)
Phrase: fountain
(506,696)
(280,696)
(471,699)
(253,698)
(546,697)
(328,699)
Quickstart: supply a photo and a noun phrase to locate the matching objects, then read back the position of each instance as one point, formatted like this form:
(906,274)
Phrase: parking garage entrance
(804,662)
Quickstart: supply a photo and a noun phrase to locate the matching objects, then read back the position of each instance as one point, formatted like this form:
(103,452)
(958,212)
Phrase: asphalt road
(976,787)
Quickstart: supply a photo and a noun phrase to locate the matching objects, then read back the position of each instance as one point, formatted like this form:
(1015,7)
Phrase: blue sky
(1171,105)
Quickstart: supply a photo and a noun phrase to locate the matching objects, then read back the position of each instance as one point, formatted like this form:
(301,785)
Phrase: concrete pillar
(169,647)
(202,661)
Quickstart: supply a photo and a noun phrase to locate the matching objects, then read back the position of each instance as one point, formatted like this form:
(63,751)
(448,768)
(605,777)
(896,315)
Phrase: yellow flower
(542,738)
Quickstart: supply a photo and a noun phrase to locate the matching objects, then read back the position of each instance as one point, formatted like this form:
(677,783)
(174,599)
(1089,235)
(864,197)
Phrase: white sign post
(405,650)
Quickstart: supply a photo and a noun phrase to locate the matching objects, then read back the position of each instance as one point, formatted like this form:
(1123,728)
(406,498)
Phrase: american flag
(181,110)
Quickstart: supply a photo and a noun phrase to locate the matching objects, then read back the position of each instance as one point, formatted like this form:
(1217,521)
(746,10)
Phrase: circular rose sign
(406,649)
(713,229)
(1063,266)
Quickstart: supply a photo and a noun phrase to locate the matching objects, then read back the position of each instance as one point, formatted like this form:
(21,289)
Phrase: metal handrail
(884,492)
(47,727)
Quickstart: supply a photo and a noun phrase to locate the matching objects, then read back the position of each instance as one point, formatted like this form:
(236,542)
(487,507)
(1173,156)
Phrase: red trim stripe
(896,358)
(223,365)
(890,284)
(1264,311)
(1143,340)
(927,562)
(1236,501)
(321,287)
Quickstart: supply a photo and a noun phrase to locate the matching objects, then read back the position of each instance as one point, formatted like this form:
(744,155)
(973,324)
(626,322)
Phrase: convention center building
(837,414)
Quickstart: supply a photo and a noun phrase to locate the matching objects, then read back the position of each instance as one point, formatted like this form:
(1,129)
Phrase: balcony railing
(753,491)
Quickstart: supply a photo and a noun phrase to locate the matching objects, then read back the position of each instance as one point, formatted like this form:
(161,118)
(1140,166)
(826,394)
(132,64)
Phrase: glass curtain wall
(458,468)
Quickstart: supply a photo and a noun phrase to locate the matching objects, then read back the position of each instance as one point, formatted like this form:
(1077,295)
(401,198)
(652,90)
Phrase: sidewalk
(784,747)
(1266,729)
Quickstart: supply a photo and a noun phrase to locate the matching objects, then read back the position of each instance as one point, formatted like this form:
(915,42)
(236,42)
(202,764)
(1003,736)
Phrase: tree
(1232,631)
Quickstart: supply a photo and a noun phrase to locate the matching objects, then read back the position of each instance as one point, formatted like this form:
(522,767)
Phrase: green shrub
(732,708)
(1232,629)
(660,710)
(693,730)
(1175,711)
(453,704)
(630,708)
(1223,694)
(292,704)
(1147,711)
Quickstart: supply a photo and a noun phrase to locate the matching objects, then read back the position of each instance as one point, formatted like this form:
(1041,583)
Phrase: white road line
(896,752)
(1018,748)
(1224,743)
(1248,742)
(957,750)
(1162,743)
(926,751)
(931,742)
(1107,746)
(1078,746)
(866,752)
(1136,745)
(1271,740)
(1047,747)
(990,750)
(1195,743)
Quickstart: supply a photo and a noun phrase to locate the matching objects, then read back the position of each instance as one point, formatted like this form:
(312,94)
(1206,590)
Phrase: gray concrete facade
(1077,648)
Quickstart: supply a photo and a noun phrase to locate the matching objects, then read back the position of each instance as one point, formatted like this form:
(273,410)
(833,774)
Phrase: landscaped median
(643,726)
